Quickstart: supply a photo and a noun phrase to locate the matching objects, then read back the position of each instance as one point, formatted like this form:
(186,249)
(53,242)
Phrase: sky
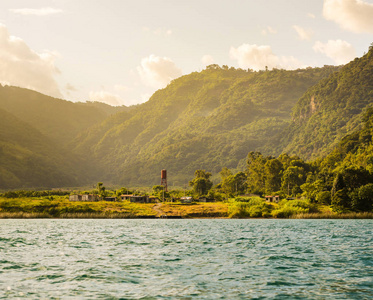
(120,52)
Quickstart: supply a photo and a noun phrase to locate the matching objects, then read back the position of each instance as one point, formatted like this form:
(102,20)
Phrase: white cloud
(258,57)
(36,11)
(352,15)
(340,51)
(106,97)
(269,30)
(70,87)
(207,60)
(304,34)
(121,88)
(157,71)
(22,66)
(158,31)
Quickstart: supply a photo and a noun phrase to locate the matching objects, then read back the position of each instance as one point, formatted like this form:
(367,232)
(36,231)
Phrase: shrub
(323,197)
(253,208)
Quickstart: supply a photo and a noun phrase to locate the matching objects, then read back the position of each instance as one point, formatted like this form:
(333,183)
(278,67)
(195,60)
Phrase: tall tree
(201,183)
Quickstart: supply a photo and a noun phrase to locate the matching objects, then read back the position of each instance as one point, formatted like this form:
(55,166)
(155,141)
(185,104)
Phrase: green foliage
(329,110)
(254,208)
(24,194)
(206,120)
(101,190)
(232,184)
(290,208)
(323,197)
(340,200)
(362,198)
(61,207)
(201,184)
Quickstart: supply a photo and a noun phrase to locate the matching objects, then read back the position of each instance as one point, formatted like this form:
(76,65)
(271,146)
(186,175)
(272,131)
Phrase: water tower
(164,179)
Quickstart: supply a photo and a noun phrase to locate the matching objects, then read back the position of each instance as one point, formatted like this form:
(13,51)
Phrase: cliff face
(330,110)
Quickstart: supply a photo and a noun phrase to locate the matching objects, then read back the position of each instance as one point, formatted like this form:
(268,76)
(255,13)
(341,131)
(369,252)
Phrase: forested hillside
(330,110)
(60,120)
(34,133)
(30,159)
(203,120)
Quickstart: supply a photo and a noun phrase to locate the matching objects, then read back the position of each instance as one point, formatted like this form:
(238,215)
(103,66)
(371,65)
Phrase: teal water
(186,259)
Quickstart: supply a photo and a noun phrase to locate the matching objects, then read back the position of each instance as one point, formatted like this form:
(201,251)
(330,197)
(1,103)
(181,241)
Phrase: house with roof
(274,199)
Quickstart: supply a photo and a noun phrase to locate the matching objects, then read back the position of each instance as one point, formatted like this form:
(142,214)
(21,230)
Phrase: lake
(186,259)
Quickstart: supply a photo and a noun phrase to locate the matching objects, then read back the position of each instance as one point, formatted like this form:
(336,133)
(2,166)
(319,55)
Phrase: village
(154,199)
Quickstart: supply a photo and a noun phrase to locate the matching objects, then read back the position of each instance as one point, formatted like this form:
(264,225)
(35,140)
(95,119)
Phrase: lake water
(186,259)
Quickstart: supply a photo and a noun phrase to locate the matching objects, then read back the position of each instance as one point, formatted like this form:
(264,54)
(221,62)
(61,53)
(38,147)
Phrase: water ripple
(186,259)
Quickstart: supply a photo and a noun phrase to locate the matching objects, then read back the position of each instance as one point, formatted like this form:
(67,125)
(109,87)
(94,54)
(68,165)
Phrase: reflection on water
(186,259)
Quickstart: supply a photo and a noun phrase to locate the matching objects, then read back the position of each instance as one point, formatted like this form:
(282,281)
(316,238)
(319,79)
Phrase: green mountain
(34,134)
(30,159)
(330,110)
(57,119)
(207,120)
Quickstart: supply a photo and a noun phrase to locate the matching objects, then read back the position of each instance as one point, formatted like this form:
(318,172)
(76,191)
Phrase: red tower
(164,179)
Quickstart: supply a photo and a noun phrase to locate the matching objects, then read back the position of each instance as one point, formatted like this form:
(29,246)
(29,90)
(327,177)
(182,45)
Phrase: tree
(256,172)
(340,200)
(338,184)
(101,190)
(201,184)
(158,191)
(273,171)
(234,184)
(292,180)
(225,172)
(362,198)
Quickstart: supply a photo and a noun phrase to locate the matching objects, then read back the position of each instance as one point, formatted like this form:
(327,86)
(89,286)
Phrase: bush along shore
(241,207)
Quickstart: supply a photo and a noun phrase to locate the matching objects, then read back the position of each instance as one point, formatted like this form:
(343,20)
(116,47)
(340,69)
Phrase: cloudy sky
(121,51)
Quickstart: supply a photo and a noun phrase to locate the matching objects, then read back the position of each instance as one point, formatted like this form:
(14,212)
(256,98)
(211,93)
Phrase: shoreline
(313,216)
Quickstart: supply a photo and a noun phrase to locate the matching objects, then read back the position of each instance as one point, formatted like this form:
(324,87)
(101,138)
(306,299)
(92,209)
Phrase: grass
(196,210)
(351,215)
(61,207)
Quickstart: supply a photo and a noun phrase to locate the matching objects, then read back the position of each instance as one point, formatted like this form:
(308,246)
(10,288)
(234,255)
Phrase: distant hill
(60,120)
(30,159)
(108,109)
(203,120)
(330,110)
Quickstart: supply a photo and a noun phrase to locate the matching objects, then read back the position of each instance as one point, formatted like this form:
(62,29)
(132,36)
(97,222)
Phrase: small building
(126,197)
(205,199)
(275,199)
(75,198)
(139,199)
(90,197)
(110,198)
(186,199)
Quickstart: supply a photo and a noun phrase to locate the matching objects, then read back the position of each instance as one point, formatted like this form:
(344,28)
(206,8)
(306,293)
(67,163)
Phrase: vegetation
(207,120)
(61,207)
(329,110)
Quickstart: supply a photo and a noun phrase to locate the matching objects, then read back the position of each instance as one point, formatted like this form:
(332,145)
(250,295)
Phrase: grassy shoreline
(35,215)
(61,208)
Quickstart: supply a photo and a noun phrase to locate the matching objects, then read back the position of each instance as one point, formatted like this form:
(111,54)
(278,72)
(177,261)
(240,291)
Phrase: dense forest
(34,134)
(203,120)
(208,120)
(330,110)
